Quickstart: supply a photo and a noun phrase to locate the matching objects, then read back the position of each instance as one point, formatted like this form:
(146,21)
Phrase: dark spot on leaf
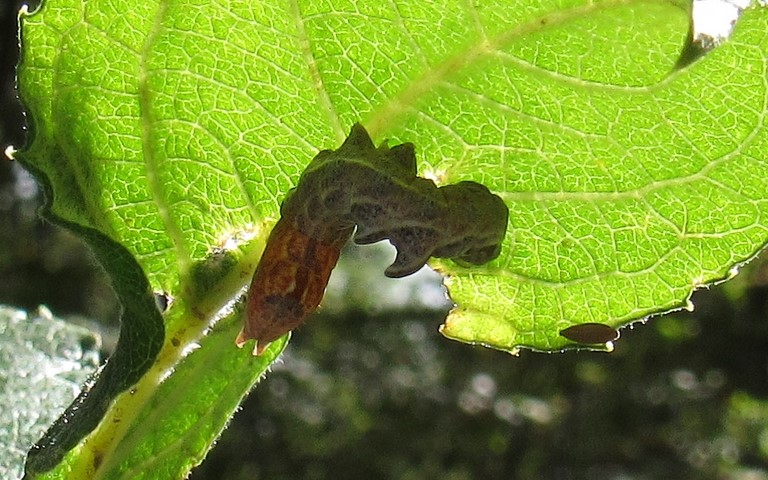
(98,458)
(590,333)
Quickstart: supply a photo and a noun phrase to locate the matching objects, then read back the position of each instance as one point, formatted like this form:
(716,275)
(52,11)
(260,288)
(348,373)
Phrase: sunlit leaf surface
(164,129)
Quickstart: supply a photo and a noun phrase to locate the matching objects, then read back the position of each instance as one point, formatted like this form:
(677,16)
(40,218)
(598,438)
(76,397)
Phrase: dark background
(380,394)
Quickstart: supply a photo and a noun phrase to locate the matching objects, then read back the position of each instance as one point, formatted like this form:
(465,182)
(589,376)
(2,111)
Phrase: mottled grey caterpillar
(377,192)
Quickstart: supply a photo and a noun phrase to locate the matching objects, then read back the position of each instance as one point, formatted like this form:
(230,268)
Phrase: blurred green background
(369,389)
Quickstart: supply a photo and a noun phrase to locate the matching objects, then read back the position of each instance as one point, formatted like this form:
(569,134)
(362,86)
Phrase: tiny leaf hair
(375,194)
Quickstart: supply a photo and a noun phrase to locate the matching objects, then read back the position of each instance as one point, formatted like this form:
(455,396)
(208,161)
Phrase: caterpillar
(369,194)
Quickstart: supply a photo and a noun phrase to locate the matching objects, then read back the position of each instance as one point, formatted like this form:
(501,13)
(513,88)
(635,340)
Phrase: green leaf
(177,424)
(631,194)
(166,134)
(141,337)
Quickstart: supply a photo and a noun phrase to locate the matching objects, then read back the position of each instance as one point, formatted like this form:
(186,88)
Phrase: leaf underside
(164,130)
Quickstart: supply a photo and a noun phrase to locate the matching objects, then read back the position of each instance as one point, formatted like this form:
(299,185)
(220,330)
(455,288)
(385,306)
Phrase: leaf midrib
(150,160)
(323,97)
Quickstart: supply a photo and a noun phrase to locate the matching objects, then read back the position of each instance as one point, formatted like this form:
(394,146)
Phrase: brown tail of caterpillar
(375,194)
